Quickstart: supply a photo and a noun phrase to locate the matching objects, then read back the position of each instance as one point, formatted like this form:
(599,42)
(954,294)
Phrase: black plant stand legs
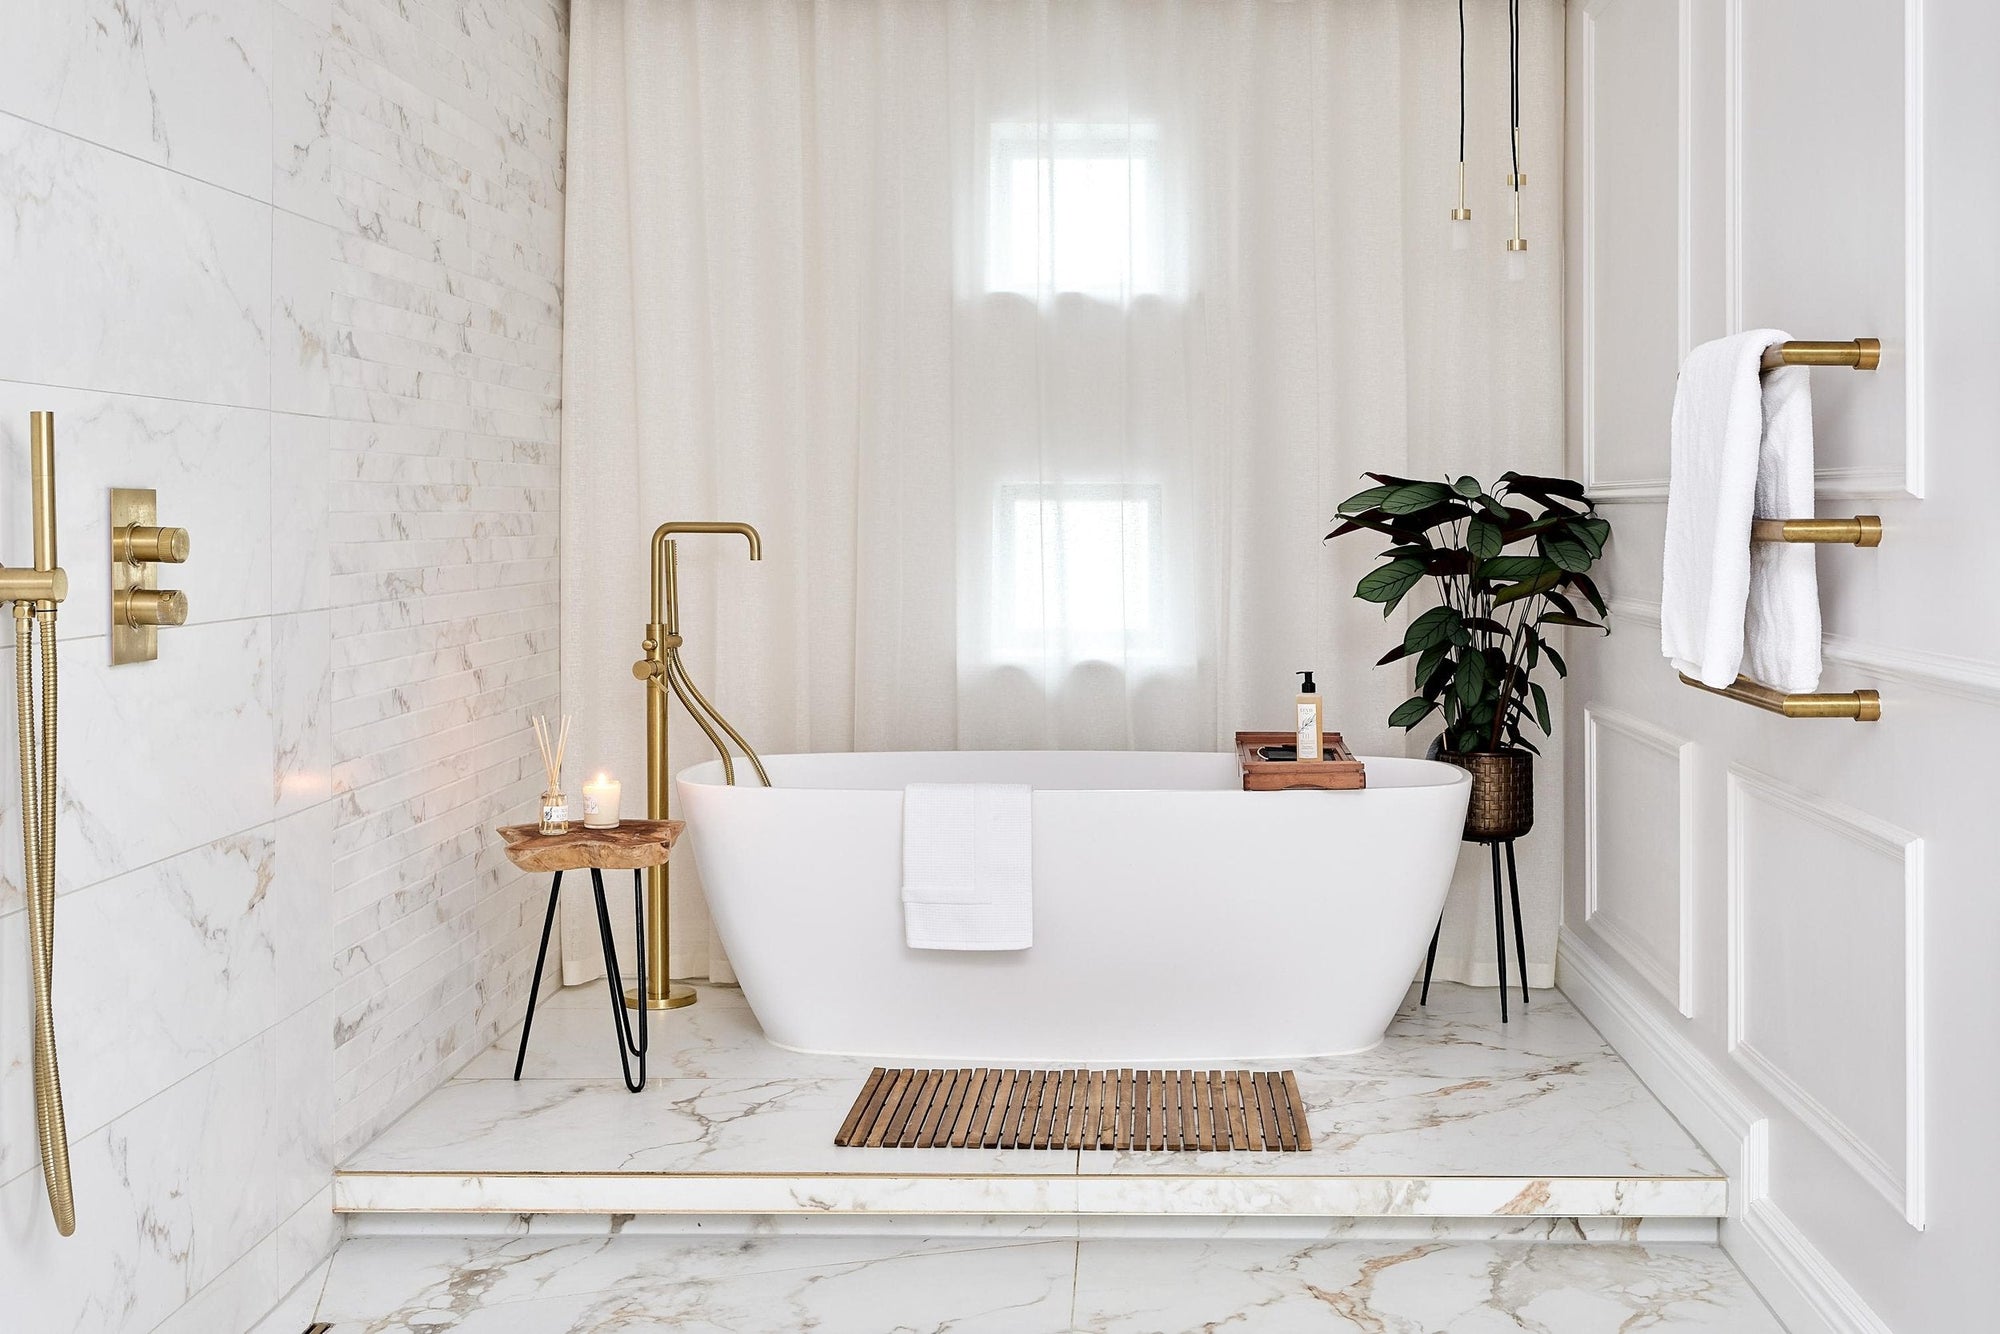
(621,1016)
(1513,888)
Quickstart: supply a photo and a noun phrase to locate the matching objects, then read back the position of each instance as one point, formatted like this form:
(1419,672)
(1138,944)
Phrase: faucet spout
(666,611)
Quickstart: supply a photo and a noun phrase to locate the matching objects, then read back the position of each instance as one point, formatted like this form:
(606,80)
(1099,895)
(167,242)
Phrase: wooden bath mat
(1162,1110)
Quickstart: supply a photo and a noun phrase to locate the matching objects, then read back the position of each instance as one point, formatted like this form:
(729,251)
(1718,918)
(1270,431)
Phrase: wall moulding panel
(1638,315)
(1798,207)
(1792,208)
(1826,975)
(1639,872)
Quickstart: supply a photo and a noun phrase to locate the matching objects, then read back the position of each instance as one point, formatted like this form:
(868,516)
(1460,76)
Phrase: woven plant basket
(1503,793)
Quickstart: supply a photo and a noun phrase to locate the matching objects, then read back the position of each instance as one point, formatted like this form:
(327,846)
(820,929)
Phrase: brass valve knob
(139,543)
(152,606)
(647,670)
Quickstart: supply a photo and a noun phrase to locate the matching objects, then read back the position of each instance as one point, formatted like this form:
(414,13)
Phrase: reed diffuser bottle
(555,806)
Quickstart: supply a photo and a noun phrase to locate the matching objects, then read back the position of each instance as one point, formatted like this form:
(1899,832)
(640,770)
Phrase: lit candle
(600,803)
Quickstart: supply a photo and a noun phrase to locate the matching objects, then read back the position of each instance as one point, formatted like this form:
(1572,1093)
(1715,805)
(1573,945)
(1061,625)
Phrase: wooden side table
(633,845)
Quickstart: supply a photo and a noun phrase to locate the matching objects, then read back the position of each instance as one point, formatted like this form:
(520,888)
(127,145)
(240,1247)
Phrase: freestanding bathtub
(1177,918)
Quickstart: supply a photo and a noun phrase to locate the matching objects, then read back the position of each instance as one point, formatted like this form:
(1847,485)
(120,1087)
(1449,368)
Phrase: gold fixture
(1863,706)
(1863,530)
(35,593)
(665,674)
(139,607)
(1863,354)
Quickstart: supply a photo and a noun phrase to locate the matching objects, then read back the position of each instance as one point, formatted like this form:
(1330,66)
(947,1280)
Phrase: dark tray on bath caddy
(1269,764)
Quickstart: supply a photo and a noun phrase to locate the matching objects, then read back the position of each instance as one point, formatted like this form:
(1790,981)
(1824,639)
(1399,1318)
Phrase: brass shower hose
(38,855)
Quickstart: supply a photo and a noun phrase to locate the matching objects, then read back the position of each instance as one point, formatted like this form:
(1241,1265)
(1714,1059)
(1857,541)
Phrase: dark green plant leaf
(1390,582)
(1472,680)
(1469,487)
(1430,629)
(1541,487)
(1415,496)
(1570,555)
(1434,667)
(1365,500)
(1484,539)
(1512,567)
(1542,708)
(1527,588)
(1591,595)
(1557,618)
(1411,712)
(1562,668)
(1393,655)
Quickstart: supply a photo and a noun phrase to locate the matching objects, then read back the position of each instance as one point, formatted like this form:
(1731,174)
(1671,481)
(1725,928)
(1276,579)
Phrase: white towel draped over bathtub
(968,866)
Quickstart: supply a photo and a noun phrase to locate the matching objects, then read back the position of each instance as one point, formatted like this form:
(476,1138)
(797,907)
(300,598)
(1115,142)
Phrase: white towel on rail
(968,866)
(1742,448)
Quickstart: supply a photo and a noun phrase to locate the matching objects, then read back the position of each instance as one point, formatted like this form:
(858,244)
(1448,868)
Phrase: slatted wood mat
(1158,1110)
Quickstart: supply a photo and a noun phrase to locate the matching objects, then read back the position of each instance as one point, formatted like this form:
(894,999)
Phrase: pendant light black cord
(1461,83)
(1514,88)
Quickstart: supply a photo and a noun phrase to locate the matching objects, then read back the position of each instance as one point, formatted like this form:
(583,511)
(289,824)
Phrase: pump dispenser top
(1308,688)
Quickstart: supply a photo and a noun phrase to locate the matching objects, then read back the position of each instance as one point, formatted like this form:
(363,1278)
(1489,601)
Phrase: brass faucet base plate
(677,997)
(132,643)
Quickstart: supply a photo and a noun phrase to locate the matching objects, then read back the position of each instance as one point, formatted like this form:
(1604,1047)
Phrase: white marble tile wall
(296,264)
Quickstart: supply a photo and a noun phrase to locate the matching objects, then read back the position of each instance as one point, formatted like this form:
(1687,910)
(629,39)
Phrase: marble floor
(1453,1116)
(873,1285)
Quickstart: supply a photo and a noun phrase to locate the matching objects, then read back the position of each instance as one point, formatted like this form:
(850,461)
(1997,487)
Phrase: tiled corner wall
(446,164)
(294,263)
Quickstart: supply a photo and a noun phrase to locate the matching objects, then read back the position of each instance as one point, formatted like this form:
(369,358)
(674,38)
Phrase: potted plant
(1505,564)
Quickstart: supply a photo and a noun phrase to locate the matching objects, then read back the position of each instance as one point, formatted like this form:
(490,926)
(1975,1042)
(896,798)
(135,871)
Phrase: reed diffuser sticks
(553,742)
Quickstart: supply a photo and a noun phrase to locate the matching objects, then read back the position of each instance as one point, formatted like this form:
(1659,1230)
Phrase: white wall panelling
(1832,158)
(1846,200)
(1826,978)
(1642,904)
(1637,190)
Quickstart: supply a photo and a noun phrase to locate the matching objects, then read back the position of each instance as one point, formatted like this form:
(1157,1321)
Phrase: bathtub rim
(1429,775)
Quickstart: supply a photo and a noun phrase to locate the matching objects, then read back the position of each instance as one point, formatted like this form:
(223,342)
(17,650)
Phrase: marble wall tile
(155,758)
(169,1196)
(303,272)
(209,465)
(301,105)
(300,909)
(301,481)
(182,83)
(301,709)
(128,278)
(186,944)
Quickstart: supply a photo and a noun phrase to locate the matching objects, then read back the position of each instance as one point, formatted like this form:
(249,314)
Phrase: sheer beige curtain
(1041,341)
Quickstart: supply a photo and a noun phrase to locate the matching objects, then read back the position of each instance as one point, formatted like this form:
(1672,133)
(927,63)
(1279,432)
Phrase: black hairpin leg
(541,957)
(1430,961)
(1520,938)
(1499,929)
(621,1016)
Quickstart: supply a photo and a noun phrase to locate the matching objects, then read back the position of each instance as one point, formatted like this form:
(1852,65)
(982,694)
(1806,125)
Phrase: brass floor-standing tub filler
(35,593)
(667,676)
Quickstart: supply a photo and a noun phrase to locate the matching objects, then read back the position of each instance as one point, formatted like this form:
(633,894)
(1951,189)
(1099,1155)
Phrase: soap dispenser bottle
(1311,721)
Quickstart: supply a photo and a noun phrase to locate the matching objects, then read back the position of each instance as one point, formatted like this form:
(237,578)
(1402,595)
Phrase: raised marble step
(1454,1116)
(698,1285)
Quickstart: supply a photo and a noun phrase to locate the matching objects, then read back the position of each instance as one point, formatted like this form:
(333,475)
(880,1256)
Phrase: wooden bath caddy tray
(1337,769)
(1165,1110)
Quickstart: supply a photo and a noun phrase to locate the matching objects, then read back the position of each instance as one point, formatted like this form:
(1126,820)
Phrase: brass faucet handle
(646,669)
(152,606)
(137,544)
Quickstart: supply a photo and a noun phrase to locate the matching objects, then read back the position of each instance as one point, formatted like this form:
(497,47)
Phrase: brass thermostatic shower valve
(139,546)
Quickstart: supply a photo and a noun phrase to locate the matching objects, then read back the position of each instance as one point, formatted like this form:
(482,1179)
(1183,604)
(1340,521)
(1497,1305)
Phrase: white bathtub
(1177,918)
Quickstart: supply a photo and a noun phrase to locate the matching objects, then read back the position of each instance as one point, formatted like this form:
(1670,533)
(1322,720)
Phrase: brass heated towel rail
(1863,530)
